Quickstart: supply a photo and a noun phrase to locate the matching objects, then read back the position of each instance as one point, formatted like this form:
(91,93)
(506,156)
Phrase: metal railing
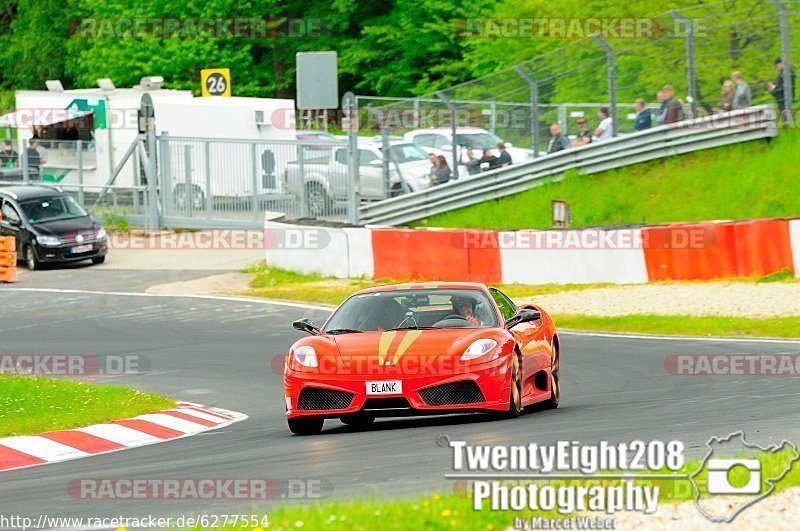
(658,142)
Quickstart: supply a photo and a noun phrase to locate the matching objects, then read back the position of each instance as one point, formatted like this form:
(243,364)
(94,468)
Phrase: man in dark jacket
(490,159)
(643,118)
(557,141)
(34,160)
(672,105)
(776,87)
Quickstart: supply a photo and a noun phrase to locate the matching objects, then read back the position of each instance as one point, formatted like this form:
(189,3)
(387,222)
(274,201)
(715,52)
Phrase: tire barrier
(8,259)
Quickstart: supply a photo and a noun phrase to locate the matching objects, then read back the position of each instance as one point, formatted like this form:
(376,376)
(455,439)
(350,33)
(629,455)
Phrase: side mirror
(524,316)
(377,163)
(305,325)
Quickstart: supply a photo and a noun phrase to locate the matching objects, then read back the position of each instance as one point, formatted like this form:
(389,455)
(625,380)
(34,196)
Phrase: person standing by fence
(643,118)
(776,87)
(742,96)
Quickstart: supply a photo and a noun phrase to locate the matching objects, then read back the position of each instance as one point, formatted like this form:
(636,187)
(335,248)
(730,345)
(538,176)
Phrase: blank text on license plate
(385,387)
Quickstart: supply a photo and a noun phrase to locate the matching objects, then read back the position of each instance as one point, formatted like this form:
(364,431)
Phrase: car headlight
(305,356)
(100,234)
(479,348)
(49,241)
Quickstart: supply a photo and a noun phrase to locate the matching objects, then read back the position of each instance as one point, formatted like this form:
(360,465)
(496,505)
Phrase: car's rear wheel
(555,381)
(358,420)
(31,260)
(98,260)
(309,426)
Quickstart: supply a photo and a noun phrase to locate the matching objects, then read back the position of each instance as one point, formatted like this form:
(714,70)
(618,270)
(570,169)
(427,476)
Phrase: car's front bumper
(484,387)
(63,254)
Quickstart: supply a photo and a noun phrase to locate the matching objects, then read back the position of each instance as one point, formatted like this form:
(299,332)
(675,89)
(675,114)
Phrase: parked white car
(325,177)
(440,141)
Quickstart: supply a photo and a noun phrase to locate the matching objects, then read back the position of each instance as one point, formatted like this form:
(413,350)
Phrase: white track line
(119,434)
(329,308)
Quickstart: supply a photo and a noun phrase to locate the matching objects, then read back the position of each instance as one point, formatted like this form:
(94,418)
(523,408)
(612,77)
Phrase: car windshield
(478,140)
(54,208)
(407,153)
(413,309)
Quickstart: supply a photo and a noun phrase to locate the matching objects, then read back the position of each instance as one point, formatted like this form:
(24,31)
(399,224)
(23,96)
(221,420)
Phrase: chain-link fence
(695,61)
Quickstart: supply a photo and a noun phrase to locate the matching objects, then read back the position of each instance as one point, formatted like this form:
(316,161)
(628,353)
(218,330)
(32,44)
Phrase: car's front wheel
(515,391)
(308,426)
(358,420)
(555,382)
(31,260)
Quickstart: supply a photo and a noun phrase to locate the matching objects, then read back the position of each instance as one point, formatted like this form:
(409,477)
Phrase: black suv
(50,226)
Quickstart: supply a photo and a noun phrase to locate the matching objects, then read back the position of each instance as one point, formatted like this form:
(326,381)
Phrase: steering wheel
(454,316)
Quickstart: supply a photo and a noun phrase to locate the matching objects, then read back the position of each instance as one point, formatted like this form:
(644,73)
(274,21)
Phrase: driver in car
(463,306)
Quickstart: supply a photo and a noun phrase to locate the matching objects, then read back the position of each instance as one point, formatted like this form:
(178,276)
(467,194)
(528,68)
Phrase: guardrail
(655,143)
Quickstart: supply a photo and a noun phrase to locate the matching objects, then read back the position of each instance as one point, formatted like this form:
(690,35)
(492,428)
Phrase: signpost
(215,82)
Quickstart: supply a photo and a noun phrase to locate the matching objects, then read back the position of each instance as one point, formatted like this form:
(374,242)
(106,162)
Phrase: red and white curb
(183,421)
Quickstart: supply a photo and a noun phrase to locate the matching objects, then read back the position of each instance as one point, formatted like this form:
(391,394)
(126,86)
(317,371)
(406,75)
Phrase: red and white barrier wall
(683,251)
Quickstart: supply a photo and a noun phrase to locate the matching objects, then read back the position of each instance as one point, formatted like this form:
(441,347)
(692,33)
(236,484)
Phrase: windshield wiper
(413,327)
(343,331)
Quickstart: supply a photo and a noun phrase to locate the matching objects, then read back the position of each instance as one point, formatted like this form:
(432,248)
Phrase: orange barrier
(416,254)
(705,251)
(7,244)
(8,259)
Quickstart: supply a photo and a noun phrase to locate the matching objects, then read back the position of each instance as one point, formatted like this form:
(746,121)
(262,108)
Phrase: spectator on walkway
(557,141)
(673,107)
(643,118)
(473,163)
(584,136)
(742,97)
(505,157)
(776,87)
(434,166)
(726,101)
(662,110)
(490,160)
(604,131)
(8,156)
(443,172)
(34,159)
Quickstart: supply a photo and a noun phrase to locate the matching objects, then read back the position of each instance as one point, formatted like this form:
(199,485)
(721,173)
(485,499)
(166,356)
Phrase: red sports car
(417,349)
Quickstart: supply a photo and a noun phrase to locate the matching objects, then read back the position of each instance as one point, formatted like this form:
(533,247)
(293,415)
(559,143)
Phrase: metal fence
(658,142)
(692,50)
(221,181)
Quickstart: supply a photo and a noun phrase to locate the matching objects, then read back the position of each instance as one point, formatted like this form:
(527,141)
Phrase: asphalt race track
(219,352)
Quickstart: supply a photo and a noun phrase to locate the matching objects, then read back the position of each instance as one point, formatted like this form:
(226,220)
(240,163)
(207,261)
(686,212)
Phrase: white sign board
(317,80)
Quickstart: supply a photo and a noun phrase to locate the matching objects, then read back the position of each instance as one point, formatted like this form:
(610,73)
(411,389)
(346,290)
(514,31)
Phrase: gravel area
(210,285)
(775,299)
(778,511)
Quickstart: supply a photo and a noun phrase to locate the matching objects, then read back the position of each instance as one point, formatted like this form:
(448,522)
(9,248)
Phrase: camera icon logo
(721,470)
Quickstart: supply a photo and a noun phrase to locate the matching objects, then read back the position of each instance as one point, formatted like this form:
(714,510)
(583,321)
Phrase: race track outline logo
(719,480)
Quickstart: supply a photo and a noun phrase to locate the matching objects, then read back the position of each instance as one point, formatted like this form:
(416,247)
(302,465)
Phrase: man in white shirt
(604,130)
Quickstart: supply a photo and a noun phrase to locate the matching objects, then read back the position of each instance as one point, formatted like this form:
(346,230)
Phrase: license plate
(81,249)
(385,387)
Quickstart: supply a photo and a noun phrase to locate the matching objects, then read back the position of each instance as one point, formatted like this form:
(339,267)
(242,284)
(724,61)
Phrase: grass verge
(686,325)
(699,186)
(32,405)
(276,283)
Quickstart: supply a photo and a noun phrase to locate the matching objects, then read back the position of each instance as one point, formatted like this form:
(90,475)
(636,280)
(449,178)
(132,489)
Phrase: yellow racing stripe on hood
(384,344)
(406,342)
